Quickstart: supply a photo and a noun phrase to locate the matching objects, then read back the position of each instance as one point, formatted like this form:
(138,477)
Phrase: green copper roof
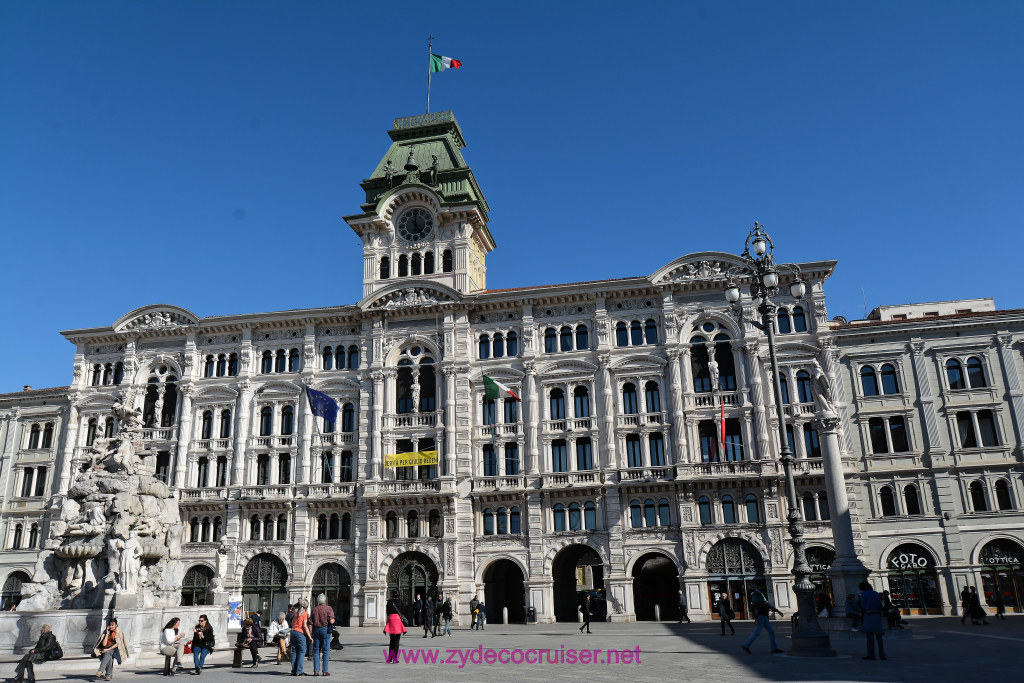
(427,136)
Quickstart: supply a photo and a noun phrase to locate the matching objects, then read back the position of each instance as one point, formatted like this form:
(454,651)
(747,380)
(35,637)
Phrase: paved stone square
(940,650)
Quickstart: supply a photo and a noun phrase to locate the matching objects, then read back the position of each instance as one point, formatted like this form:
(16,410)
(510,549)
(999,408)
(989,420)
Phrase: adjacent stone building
(642,459)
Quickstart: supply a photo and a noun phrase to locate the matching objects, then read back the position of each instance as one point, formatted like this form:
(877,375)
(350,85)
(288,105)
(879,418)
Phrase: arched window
(704,509)
(385,267)
(550,340)
(97,374)
(108,370)
(575,520)
(512,343)
(664,514)
(33,535)
(629,404)
(557,404)
(978,497)
(485,346)
(803,387)
(193,530)
(955,374)
(268,528)
(621,335)
(282,527)
(428,263)
(581,402)
(233,365)
(911,501)
(287,420)
(447,261)
(636,515)
(391,525)
(16,539)
(869,381)
(267,363)
(417,264)
(206,529)
(651,332)
(225,424)
(280,361)
(753,516)
(728,510)
(650,513)
(222,365)
(346,526)
(90,432)
(976,373)
(348,418)
(208,367)
(293,360)
(334,527)
(488,522)
(1003,495)
(328,358)
(783,318)
(499,345)
(321,527)
(108,428)
(434,523)
(784,386)
(515,524)
(559,516)
(799,322)
(888,501)
(726,363)
(403,265)
(353,357)
(889,383)
(652,397)
(636,334)
(218,526)
(254,528)
(810,513)
(207,428)
(502,521)
(266,421)
(582,338)
(823,513)
(33,438)
(589,516)
(48,435)
(565,335)
(412,523)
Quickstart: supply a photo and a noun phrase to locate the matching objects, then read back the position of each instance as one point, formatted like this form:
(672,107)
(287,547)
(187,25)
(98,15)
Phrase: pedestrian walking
(965,604)
(47,649)
(586,611)
(300,632)
(873,626)
(172,643)
(279,635)
(417,610)
(202,644)
(290,615)
(725,613)
(427,617)
(111,647)
(394,626)
(682,608)
(322,622)
(446,612)
(246,640)
(853,612)
(481,614)
(438,612)
(474,604)
(999,604)
(762,608)
(975,610)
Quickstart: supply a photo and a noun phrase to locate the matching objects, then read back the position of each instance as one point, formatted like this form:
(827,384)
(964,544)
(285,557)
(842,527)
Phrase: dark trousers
(586,622)
(727,622)
(393,647)
(872,639)
(25,669)
(683,615)
(253,650)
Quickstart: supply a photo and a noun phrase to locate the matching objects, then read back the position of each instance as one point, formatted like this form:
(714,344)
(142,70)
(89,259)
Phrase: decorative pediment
(409,295)
(337,386)
(705,265)
(155,317)
(503,375)
(567,367)
(639,363)
(279,389)
(215,394)
(420,196)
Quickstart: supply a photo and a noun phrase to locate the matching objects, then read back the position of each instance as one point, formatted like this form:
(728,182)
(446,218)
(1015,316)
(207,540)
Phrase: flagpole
(430,52)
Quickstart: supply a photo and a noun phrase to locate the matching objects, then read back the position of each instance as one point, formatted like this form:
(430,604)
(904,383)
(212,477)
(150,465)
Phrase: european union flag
(322,405)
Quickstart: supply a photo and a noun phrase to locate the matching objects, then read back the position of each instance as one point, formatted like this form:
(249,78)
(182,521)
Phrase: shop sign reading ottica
(1000,552)
(910,556)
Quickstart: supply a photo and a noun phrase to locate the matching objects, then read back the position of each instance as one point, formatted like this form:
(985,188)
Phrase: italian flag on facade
(439,63)
(494,389)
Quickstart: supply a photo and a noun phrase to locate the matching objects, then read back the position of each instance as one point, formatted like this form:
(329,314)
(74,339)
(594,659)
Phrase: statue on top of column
(823,395)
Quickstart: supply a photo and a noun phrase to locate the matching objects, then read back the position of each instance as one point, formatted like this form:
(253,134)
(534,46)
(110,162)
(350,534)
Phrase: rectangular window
(733,441)
(511,459)
(708,441)
(898,434)
(222,471)
(876,429)
(163,466)
(584,455)
(26,482)
(489,412)
(490,461)
(964,424)
(987,425)
(657,447)
(262,470)
(559,457)
(346,465)
(634,455)
(811,443)
(511,411)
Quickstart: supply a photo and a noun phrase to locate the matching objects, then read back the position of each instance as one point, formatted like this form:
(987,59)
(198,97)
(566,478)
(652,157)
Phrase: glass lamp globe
(798,289)
(760,246)
(770,279)
(732,293)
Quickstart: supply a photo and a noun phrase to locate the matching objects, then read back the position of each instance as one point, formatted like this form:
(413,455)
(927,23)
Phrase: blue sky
(203,153)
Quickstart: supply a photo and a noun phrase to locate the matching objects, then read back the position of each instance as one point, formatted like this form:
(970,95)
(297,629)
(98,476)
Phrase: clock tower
(425,219)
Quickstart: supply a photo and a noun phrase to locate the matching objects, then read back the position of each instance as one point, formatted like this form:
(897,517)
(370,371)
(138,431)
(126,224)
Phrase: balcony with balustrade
(640,475)
(498,484)
(195,495)
(413,421)
(212,445)
(798,409)
(735,468)
(499,431)
(561,480)
(271,492)
(333,490)
(160,434)
(275,441)
(339,438)
(634,420)
(709,400)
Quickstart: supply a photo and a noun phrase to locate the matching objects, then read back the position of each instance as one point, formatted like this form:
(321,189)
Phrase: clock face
(415,224)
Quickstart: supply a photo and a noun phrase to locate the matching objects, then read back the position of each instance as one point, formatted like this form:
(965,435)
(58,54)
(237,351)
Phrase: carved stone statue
(129,563)
(433,170)
(389,173)
(823,396)
(713,371)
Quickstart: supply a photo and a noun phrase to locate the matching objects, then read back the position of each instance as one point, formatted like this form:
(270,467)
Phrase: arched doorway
(196,585)
(913,583)
(412,574)
(655,582)
(263,589)
(819,559)
(333,581)
(503,587)
(575,569)
(11,594)
(735,569)
(1002,572)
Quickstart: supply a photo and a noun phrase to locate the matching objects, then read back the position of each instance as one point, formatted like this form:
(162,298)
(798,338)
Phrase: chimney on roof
(26,387)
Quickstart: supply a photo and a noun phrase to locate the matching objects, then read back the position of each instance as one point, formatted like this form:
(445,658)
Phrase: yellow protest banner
(410,459)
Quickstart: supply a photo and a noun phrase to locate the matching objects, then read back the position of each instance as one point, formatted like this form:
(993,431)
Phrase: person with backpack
(762,609)
(446,612)
(481,614)
(474,606)
(47,649)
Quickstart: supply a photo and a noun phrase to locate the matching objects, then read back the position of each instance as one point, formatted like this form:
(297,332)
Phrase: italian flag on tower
(494,389)
(439,63)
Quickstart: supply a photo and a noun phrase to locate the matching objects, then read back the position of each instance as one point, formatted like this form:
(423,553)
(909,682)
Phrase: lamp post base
(812,645)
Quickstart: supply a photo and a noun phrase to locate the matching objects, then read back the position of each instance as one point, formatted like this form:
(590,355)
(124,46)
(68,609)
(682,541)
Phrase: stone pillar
(1014,390)
(68,453)
(184,435)
(449,420)
(757,397)
(532,418)
(675,382)
(242,409)
(847,569)
(376,422)
(302,474)
(607,412)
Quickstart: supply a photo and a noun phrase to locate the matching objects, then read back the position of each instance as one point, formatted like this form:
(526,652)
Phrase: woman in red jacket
(394,627)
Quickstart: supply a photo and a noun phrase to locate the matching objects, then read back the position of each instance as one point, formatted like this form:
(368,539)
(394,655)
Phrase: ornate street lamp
(809,640)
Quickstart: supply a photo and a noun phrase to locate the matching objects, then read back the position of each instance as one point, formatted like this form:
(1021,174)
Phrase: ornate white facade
(612,475)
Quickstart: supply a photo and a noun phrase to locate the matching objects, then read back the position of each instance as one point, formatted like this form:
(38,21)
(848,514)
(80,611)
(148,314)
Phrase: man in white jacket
(279,633)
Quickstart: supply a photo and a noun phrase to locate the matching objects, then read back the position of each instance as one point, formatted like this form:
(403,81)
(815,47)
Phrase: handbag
(405,620)
(97,652)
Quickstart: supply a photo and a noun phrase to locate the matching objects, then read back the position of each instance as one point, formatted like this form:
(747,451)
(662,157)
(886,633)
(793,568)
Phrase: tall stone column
(376,421)
(449,372)
(532,417)
(68,452)
(847,569)
(184,436)
(607,412)
(242,411)
(1013,384)
(304,468)
(757,397)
